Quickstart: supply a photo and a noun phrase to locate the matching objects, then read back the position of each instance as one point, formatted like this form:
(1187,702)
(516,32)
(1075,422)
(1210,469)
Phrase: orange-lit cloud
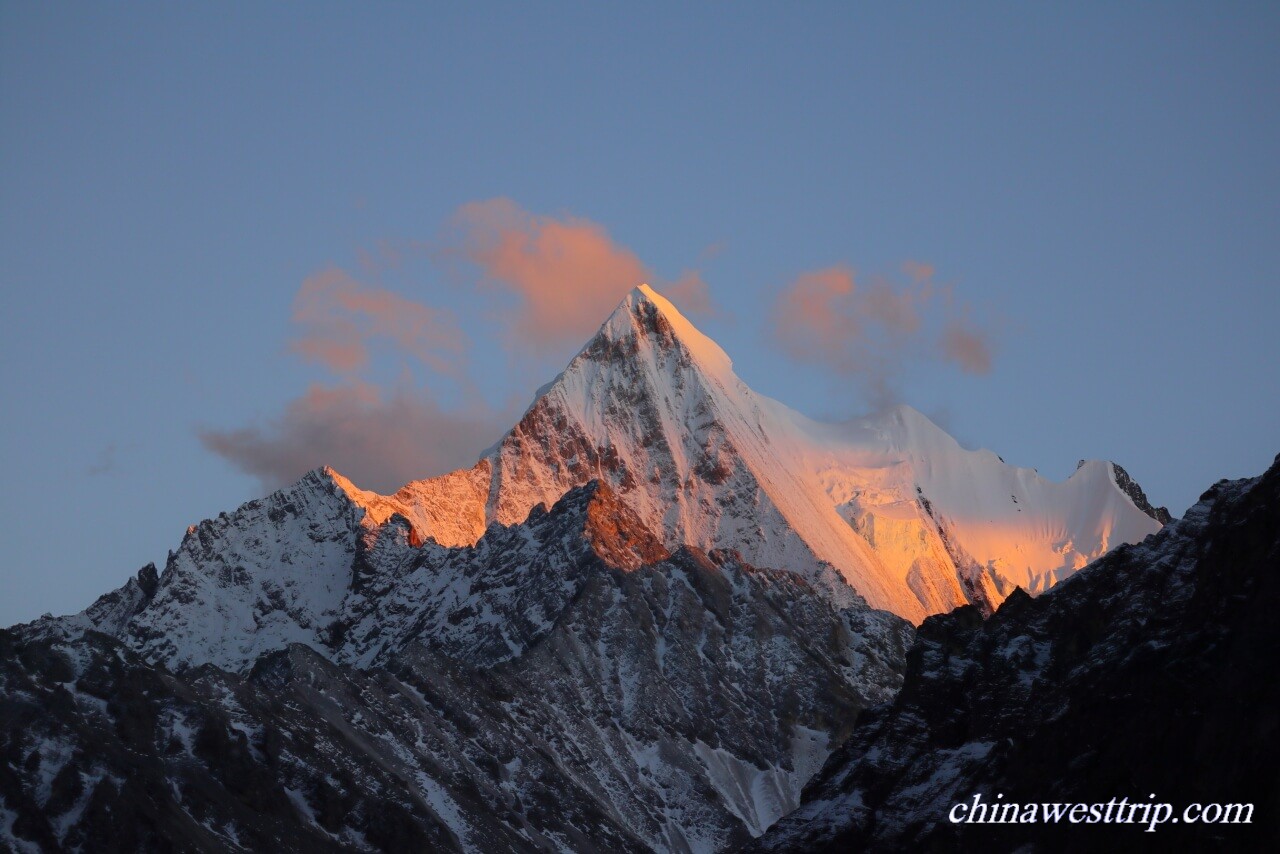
(339,316)
(807,322)
(379,440)
(967,347)
(690,294)
(870,331)
(568,272)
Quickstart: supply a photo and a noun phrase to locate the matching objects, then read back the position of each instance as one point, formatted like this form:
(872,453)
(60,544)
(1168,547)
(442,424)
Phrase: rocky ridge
(566,683)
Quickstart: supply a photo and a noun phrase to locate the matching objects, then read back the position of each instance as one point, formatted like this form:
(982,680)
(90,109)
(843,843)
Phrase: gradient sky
(1096,185)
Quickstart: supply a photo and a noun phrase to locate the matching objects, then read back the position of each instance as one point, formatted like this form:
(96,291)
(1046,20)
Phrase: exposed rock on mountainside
(566,683)
(1130,488)
(1151,672)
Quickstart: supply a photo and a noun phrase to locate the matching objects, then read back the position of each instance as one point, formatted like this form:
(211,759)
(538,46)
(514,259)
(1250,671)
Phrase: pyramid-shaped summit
(645,317)
(889,508)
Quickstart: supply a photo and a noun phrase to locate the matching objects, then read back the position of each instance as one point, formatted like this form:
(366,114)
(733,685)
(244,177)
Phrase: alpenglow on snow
(889,505)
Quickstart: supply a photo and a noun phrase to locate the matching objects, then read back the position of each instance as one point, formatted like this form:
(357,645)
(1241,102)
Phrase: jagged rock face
(300,755)
(450,509)
(1130,487)
(494,601)
(274,572)
(565,684)
(1151,672)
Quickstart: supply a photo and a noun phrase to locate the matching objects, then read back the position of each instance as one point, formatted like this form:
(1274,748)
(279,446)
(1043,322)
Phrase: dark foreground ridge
(1151,672)
(566,684)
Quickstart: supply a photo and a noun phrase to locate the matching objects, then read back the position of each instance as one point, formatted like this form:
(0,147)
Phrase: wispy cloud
(967,346)
(870,331)
(566,272)
(690,294)
(380,440)
(381,437)
(339,318)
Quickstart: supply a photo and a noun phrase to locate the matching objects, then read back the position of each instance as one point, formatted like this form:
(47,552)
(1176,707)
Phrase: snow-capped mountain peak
(644,314)
(913,522)
(889,508)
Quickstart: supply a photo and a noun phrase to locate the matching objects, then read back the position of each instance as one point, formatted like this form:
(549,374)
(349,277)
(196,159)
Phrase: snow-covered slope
(274,572)
(912,521)
(951,524)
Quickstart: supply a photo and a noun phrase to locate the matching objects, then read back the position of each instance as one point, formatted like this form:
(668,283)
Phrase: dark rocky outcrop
(1131,488)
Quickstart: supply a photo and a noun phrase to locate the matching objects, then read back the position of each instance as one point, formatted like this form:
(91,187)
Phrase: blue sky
(1096,182)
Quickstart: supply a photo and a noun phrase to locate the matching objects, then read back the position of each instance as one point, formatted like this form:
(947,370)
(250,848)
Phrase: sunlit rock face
(1152,672)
